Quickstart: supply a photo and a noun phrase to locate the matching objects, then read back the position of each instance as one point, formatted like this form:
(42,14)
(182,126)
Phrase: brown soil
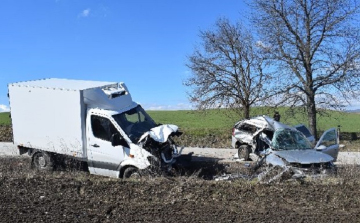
(6,133)
(75,196)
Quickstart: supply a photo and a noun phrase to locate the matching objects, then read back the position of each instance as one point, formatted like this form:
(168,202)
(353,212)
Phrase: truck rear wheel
(131,172)
(43,161)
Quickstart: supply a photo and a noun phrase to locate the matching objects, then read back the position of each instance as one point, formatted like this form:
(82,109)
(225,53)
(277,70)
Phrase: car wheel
(131,172)
(43,161)
(244,152)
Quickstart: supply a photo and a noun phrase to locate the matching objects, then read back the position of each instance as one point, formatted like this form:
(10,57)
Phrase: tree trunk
(246,111)
(311,110)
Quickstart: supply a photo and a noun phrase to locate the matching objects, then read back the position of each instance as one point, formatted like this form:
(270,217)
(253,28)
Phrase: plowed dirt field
(27,195)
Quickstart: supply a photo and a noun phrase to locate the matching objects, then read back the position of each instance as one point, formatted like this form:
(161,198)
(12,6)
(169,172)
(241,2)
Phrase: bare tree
(227,70)
(317,46)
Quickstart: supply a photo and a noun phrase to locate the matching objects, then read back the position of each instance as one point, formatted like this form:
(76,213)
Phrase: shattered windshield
(135,122)
(288,139)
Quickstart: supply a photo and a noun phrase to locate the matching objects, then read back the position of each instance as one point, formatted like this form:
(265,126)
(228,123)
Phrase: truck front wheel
(131,172)
(43,161)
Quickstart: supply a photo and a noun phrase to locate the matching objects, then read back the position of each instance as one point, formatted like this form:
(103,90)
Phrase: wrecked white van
(91,121)
(277,144)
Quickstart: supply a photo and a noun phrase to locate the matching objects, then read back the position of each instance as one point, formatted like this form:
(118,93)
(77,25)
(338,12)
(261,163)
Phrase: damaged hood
(307,156)
(160,133)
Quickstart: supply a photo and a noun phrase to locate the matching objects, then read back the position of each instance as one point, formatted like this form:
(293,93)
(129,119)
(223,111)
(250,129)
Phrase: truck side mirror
(117,140)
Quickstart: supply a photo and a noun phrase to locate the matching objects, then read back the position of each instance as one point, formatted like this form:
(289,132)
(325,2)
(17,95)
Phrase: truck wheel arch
(127,171)
(42,160)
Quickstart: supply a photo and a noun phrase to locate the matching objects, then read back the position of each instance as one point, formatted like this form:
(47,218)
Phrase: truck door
(104,159)
(329,143)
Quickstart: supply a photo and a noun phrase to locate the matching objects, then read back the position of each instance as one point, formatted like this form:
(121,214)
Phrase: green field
(215,121)
(221,120)
(4,118)
(213,127)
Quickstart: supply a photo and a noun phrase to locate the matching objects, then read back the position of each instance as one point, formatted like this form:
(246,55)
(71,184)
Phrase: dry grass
(350,146)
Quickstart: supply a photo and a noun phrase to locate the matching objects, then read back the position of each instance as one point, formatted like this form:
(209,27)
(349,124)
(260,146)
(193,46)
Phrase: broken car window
(330,138)
(248,128)
(288,139)
(304,130)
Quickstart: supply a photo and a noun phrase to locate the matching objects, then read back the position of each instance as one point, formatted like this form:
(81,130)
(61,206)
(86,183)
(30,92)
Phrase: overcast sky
(144,43)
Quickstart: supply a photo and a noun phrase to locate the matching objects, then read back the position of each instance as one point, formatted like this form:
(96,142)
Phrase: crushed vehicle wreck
(94,122)
(272,143)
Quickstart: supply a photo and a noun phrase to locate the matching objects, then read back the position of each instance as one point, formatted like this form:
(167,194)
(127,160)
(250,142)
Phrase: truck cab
(114,142)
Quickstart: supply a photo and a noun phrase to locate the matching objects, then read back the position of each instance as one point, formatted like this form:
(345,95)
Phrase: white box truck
(95,122)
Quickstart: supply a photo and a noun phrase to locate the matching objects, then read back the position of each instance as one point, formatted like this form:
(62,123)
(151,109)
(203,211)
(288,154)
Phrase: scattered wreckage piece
(274,144)
(233,177)
(266,175)
(276,174)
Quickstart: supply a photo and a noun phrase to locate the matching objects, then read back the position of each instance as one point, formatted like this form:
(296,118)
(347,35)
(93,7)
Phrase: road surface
(201,154)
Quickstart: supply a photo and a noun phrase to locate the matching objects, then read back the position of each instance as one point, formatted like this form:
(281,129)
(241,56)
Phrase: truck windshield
(135,122)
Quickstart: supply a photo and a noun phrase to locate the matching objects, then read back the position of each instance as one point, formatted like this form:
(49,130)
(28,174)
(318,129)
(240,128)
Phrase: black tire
(244,152)
(131,172)
(43,161)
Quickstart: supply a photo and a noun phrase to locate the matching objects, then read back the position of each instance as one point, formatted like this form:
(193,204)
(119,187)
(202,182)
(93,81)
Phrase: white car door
(329,143)
(104,159)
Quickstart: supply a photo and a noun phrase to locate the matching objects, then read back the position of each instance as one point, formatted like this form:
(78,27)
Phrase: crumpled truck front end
(158,150)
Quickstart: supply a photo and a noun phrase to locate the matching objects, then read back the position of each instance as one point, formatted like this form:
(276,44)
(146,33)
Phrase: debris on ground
(76,196)
(6,133)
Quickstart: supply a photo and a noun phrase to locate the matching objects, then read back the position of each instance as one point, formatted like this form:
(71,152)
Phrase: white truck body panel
(50,114)
(93,121)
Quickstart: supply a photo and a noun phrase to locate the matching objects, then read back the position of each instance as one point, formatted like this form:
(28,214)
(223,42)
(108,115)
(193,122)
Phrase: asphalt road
(201,154)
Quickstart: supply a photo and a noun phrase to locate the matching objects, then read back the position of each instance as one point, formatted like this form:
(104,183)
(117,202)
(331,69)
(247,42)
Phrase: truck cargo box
(49,114)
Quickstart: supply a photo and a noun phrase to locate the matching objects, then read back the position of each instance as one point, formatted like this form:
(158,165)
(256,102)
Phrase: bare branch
(228,71)
(315,44)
